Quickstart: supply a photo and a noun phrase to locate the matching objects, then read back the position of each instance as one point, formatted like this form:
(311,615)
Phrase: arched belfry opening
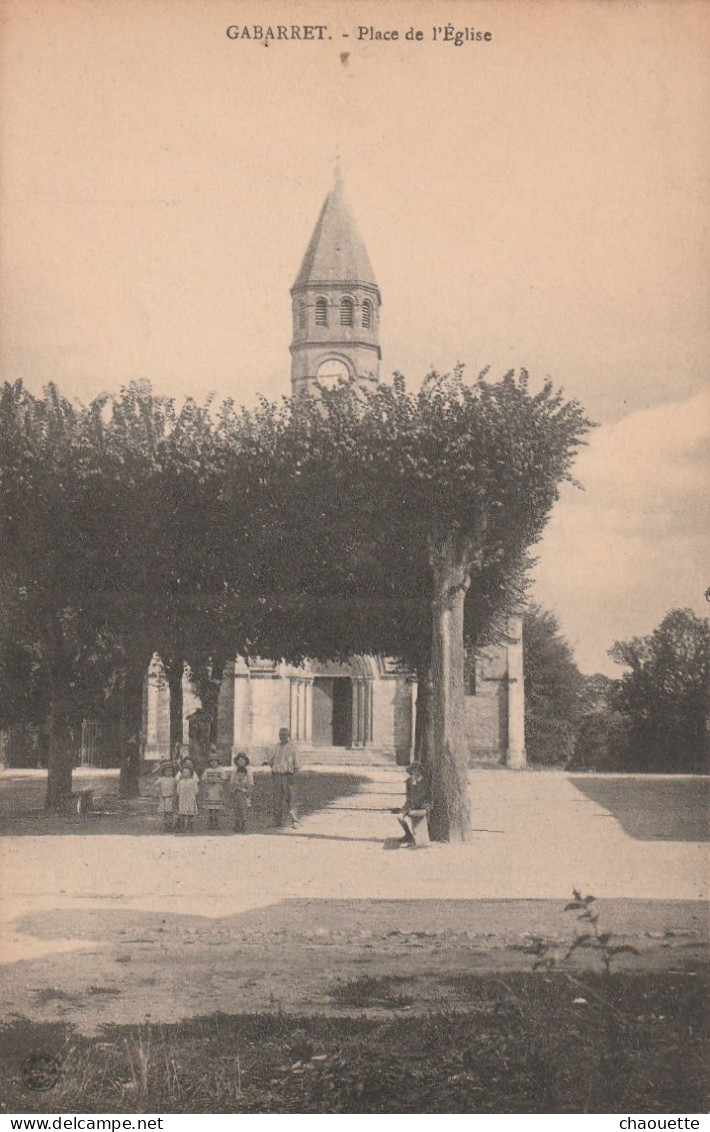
(336,288)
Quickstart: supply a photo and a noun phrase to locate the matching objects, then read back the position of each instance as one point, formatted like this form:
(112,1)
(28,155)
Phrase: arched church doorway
(332,711)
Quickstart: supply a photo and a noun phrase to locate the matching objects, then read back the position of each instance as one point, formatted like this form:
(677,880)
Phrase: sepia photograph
(354,560)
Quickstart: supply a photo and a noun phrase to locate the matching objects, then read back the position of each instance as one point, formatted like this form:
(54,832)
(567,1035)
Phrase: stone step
(345,756)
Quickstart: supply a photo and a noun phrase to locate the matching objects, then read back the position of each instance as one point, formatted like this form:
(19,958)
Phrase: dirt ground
(296,956)
(107,919)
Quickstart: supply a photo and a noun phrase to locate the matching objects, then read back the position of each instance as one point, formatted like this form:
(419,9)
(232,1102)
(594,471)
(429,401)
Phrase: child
(187,798)
(241,786)
(414,813)
(213,786)
(167,795)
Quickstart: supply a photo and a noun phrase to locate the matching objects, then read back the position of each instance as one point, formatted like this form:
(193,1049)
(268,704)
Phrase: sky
(539,199)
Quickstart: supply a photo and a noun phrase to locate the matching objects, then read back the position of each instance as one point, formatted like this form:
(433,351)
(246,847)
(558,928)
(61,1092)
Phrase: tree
(553,690)
(54,551)
(413,500)
(178,494)
(665,694)
(356,521)
(105,555)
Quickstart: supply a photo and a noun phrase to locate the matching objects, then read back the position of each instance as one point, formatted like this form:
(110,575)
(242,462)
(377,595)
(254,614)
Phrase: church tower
(336,303)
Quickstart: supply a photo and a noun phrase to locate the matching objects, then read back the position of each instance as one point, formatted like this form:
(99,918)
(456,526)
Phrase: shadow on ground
(351,918)
(22,813)
(653,809)
(313,956)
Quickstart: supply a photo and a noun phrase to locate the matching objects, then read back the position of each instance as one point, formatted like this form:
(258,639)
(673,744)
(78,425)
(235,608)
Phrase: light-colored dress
(187,796)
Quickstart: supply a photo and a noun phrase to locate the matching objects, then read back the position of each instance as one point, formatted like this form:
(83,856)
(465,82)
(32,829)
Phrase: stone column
(356,722)
(293,707)
(242,733)
(301,709)
(368,694)
(308,711)
(362,711)
(516,758)
(156,712)
(151,712)
(225,712)
(190,702)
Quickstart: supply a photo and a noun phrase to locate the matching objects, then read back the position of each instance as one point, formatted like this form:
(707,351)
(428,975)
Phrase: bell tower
(335,303)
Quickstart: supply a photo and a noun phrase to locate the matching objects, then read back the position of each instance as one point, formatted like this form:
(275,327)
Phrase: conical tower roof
(336,252)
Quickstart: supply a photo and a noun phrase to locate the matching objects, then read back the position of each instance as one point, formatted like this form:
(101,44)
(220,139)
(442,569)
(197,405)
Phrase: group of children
(179,789)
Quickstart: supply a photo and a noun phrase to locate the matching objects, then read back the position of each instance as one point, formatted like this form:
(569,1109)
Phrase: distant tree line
(654,717)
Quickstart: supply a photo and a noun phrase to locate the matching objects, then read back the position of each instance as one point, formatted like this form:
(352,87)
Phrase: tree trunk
(132,726)
(61,751)
(423,737)
(450,818)
(60,758)
(420,662)
(174,671)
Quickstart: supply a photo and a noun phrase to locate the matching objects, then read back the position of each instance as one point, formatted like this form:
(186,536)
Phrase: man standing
(284,767)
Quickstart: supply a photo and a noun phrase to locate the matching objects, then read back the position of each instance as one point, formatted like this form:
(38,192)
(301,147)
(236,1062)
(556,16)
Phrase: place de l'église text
(266,34)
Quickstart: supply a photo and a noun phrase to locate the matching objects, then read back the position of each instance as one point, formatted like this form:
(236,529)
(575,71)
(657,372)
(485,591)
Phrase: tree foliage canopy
(354,489)
(351,522)
(553,689)
(665,694)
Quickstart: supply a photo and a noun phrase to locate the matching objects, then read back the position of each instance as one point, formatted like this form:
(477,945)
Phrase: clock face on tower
(331,371)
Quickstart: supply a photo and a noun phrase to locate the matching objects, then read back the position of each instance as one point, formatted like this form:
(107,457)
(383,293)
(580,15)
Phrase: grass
(368,990)
(550,1043)
(44,996)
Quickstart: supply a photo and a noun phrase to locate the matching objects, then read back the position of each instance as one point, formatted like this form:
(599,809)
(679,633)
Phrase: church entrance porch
(358,710)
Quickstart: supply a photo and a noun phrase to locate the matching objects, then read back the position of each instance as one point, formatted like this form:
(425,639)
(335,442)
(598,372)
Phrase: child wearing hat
(213,789)
(242,783)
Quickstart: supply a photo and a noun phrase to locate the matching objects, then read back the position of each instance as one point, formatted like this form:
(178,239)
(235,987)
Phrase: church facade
(362,711)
